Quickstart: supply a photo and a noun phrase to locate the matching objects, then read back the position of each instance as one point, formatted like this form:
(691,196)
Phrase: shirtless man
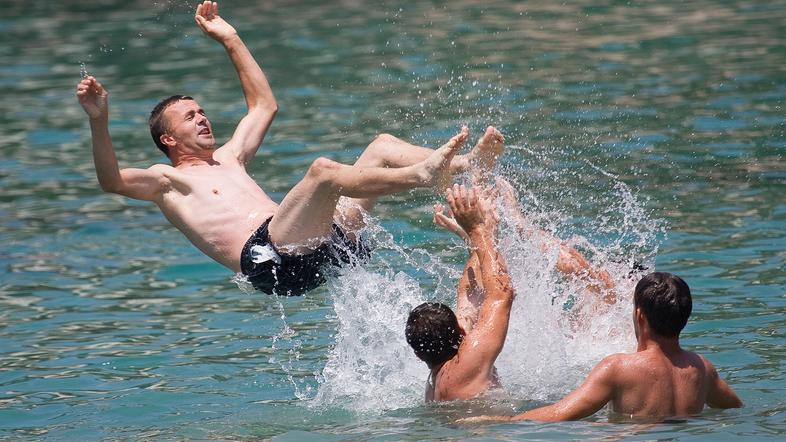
(659,380)
(208,195)
(460,350)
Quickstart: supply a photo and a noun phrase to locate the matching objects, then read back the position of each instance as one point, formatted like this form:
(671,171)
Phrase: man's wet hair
(665,301)
(158,124)
(433,332)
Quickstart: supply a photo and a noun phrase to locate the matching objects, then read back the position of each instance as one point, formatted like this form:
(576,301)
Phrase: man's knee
(376,153)
(321,170)
(386,138)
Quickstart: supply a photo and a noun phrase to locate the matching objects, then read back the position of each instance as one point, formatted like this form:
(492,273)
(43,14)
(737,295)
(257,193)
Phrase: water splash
(371,367)
(551,344)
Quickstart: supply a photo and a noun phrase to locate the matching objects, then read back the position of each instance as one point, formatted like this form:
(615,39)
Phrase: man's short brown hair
(433,332)
(665,301)
(158,124)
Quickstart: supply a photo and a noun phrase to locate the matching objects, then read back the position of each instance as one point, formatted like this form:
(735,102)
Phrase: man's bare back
(676,383)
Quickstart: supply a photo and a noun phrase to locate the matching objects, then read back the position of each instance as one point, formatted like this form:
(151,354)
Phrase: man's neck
(198,158)
(663,344)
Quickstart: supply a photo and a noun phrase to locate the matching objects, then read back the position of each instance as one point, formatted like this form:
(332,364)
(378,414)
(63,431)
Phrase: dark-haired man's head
(664,300)
(158,122)
(434,333)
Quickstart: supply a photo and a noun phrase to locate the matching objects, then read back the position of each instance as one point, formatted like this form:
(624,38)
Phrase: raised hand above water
(212,24)
(93,97)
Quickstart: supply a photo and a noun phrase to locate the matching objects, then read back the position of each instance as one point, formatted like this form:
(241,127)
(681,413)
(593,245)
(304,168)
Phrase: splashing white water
(371,366)
(83,73)
(551,344)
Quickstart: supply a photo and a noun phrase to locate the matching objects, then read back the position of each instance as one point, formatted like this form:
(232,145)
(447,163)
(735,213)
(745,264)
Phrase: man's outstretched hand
(469,211)
(93,97)
(212,24)
(446,221)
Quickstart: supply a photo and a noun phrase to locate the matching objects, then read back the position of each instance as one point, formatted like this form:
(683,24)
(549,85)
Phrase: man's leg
(389,151)
(305,216)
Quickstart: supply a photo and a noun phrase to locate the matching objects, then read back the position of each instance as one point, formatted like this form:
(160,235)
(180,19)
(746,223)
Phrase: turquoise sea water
(646,130)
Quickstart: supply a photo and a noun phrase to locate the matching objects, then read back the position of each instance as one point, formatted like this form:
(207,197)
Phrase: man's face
(188,125)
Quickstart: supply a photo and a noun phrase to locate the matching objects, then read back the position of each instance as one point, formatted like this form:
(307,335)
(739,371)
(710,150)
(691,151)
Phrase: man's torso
(217,207)
(451,382)
(652,384)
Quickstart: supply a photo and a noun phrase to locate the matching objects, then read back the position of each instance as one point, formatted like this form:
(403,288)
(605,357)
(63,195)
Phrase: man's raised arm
(261,103)
(469,294)
(487,338)
(143,184)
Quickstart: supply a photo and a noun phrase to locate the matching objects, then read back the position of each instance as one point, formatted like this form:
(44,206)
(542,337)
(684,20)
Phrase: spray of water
(558,330)
(83,73)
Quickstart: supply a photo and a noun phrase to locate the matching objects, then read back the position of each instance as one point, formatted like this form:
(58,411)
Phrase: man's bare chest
(210,183)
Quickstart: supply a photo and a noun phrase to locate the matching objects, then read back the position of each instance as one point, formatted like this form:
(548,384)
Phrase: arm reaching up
(144,184)
(259,97)
(469,295)
(474,215)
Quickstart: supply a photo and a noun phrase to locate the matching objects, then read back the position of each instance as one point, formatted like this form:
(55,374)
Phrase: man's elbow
(110,186)
(734,402)
(728,402)
(267,109)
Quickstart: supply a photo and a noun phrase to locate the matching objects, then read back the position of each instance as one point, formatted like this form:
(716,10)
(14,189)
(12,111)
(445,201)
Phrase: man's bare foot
(435,170)
(484,155)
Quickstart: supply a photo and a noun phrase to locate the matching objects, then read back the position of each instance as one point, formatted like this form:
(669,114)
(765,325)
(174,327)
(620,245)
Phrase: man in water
(659,380)
(208,195)
(460,348)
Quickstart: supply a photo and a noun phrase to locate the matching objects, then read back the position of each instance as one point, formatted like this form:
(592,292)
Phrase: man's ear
(641,321)
(168,140)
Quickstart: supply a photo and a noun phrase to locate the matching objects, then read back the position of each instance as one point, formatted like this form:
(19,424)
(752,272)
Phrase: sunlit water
(650,132)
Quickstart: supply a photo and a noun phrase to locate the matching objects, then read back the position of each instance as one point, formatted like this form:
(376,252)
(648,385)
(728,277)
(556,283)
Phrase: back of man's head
(158,124)
(665,301)
(433,332)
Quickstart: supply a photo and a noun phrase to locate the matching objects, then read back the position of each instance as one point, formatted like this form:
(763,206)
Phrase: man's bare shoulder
(226,153)
(616,359)
(621,366)
(709,369)
(163,173)
(161,168)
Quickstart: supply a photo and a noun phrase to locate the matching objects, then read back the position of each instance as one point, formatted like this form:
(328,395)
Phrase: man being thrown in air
(659,380)
(208,195)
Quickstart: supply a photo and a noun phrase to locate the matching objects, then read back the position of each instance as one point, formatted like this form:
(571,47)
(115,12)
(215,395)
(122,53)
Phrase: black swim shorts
(291,275)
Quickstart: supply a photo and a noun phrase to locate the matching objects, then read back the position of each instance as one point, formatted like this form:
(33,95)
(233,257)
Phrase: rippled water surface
(640,130)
